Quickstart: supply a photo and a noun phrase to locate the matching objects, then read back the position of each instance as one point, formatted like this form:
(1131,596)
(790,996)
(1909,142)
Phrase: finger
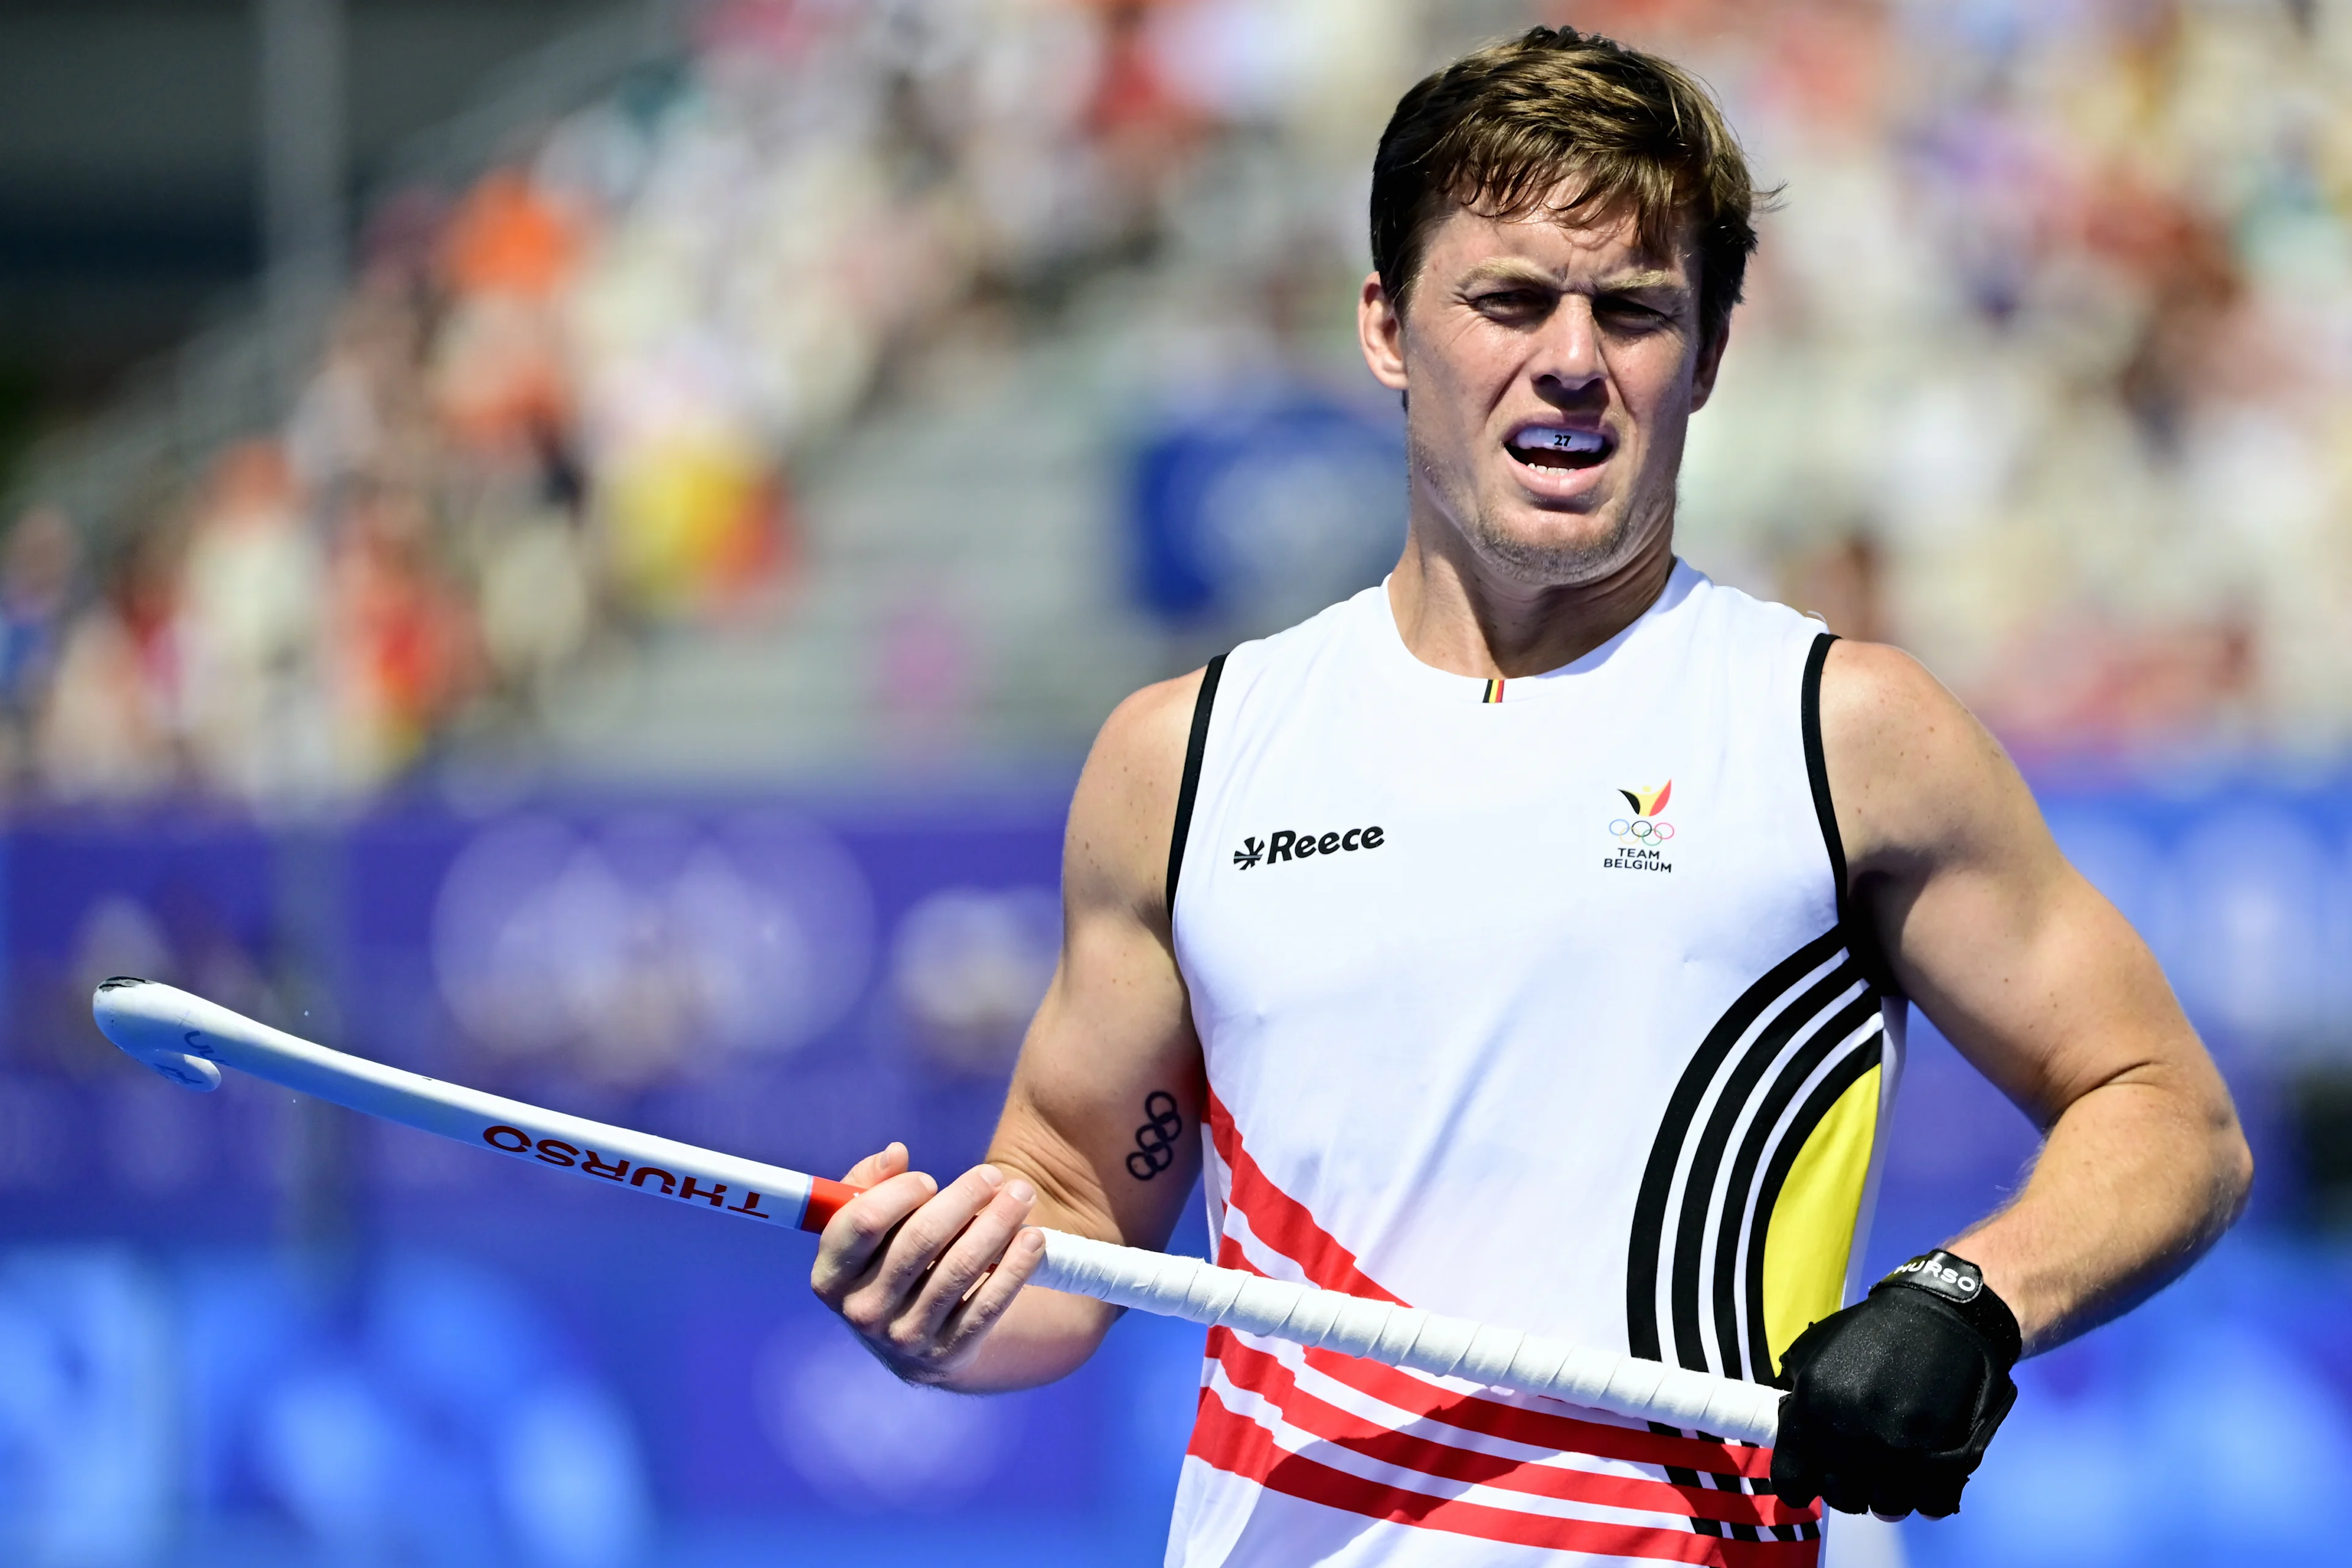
(1893,1493)
(1940,1495)
(1846,1491)
(875,1169)
(1796,1480)
(846,1252)
(971,1255)
(1795,1485)
(889,1282)
(972,1320)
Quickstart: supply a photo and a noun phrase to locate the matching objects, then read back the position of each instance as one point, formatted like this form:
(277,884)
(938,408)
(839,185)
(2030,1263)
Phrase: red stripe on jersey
(1516,1423)
(1281,1221)
(1241,1447)
(1264,1375)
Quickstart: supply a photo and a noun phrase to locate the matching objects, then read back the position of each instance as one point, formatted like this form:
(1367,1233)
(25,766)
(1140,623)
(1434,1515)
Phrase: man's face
(1551,373)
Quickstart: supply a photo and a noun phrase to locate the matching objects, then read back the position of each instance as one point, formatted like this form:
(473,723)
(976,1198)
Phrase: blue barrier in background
(1260,514)
(236,1328)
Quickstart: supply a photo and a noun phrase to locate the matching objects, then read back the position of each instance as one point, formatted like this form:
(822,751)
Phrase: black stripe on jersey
(1710,1172)
(1811,1008)
(1649,1234)
(1849,1071)
(1700,1184)
(1703,1193)
(1746,1217)
(1194,746)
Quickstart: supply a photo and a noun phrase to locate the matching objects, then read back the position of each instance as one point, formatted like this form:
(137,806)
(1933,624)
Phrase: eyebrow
(1648,277)
(1514,271)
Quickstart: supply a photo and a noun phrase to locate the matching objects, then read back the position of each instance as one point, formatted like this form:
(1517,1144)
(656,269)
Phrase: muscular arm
(930,1277)
(2045,989)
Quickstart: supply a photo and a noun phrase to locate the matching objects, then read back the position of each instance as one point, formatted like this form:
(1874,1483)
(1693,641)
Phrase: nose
(1566,363)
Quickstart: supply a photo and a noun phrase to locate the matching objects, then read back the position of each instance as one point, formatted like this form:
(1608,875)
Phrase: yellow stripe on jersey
(1493,691)
(1810,1235)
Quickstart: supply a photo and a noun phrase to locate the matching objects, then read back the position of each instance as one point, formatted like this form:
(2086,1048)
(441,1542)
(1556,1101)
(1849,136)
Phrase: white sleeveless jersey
(1533,1002)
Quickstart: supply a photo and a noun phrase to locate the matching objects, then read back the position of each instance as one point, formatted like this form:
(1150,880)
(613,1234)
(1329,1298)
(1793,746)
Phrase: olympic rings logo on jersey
(1642,837)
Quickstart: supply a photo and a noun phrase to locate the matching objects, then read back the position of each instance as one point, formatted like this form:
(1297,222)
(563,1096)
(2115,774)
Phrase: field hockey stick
(188,1040)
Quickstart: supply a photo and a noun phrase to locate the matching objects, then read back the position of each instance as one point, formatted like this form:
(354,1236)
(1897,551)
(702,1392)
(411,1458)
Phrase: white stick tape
(187,1039)
(1406,1336)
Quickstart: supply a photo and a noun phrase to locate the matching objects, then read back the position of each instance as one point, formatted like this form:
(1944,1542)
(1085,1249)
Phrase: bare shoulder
(1914,775)
(1123,816)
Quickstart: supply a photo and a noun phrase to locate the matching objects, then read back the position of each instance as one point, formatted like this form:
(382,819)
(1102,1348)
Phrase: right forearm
(934,1279)
(1043,1336)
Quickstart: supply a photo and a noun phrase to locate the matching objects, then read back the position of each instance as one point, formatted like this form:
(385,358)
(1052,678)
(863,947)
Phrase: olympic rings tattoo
(1155,1141)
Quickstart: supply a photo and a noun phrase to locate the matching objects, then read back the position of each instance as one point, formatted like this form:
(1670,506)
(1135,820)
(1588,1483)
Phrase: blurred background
(577,548)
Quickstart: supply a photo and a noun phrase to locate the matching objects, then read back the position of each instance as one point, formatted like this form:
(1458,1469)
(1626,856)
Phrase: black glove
(1892,1401)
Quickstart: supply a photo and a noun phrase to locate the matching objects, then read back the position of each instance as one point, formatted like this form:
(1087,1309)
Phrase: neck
(1456,613)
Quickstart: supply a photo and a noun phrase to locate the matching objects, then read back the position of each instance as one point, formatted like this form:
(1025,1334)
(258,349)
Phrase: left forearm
(2135,1180)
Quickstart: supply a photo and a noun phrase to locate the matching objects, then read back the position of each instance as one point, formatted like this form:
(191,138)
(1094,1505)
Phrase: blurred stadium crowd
(564,402)
(973,362)
(2044,372)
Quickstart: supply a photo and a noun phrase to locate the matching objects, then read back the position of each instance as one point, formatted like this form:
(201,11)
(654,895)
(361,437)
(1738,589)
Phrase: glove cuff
(1960,1284)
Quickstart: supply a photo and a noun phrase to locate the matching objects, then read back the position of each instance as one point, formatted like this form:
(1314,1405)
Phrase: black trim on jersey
(1194,748)
(1816,768)
(1861,936)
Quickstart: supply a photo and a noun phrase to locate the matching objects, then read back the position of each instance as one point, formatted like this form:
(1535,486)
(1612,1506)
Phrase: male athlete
(1529,938)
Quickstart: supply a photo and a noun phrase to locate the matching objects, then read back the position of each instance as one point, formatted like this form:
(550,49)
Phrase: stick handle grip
(1427,1341)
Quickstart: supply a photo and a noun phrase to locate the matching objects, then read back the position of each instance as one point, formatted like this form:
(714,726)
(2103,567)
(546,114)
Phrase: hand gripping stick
(188,1040)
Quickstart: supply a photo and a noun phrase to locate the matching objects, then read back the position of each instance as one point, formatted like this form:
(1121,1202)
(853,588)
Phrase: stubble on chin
(1560,560)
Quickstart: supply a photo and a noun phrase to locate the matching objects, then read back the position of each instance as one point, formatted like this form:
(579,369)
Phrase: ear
(1710,362)
(1379,331)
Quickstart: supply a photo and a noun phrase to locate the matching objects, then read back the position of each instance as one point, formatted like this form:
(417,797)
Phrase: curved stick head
(145,1018)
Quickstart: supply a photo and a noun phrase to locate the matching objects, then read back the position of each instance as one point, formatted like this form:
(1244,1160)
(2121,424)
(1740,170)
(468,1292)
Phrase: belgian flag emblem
(1648,802)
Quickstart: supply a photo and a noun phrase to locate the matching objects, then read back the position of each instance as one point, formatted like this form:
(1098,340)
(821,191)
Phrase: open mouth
(1548,446)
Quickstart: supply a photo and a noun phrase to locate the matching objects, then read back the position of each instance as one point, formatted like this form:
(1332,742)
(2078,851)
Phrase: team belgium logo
(1645,827)
(1643,837)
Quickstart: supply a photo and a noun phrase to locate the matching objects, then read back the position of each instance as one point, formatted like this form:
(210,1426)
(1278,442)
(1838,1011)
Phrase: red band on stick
(824,1201)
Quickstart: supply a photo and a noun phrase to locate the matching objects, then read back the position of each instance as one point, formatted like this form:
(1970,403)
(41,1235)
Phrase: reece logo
(1286,844)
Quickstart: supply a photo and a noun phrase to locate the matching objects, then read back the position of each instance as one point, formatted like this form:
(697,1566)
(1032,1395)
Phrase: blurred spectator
(37,565)
(104,728)
(402,646)
(248,628)
(2058,298)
